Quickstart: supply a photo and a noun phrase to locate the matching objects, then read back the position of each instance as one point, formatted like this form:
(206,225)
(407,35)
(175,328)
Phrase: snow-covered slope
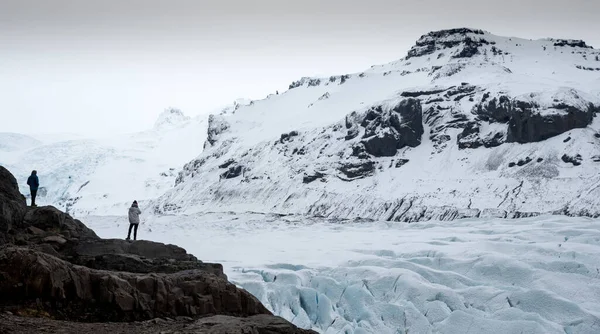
(467,124)
(103,175)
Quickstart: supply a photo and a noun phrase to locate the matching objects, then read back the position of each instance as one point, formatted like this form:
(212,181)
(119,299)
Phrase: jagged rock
(12,204)
(381,145)
(232,172)
(442,39)
(75,292)
(219,324)
(524,162)
(357,169)
(216,126)
(227,163)
(401,162)
(310,178)
(498,109)
(50,218)
(574,43)
(388,131)
(139,257)
(527,125)
(576,160)
(288,136)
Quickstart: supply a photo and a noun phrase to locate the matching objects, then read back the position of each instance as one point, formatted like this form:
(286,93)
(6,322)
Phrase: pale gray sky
(112,66)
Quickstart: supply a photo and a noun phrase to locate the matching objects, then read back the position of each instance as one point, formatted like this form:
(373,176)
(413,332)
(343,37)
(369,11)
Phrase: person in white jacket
(134,220)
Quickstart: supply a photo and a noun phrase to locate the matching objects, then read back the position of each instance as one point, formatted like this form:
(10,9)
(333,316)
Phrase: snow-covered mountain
(103,175)
(468,124)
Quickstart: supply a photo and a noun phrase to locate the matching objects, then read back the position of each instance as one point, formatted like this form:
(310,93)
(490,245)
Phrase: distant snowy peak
(169,118)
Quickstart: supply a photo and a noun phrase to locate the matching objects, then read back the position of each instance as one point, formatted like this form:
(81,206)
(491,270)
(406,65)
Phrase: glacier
(530,275)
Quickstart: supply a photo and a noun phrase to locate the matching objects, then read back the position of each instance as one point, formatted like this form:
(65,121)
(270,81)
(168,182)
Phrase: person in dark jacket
(134,220)
(34,183)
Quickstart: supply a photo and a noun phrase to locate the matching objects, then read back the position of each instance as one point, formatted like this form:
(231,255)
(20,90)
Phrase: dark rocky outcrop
(227,163)
(444,39)
(52,265)
(288,136)
(527,124)
(497,109)
(12,205)
(386,131)
(575,160)
(357,170)
(232,172)
(574,43)
(219,324)
(312,177)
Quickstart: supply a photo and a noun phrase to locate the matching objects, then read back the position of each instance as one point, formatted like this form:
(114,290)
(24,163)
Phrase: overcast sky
(111,66)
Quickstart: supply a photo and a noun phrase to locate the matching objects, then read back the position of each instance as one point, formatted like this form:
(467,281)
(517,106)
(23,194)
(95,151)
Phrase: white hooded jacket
(134,215)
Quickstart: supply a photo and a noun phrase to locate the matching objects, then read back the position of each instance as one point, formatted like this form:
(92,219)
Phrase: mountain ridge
(492,109)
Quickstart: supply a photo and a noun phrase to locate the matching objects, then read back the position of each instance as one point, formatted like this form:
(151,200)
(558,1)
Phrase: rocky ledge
(57,274)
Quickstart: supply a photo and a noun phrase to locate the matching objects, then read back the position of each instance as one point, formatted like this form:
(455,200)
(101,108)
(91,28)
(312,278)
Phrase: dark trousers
(134,226)
(33,194)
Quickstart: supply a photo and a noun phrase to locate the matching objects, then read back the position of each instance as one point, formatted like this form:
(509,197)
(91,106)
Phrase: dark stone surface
(498,109)
(527,126)
(357,169)
(232,172)
(386,131)
(227,163)
(313,177)
(437,40)
(575,160)
(218,324)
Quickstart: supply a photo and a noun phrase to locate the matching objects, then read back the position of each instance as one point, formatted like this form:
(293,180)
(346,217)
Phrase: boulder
(49,218)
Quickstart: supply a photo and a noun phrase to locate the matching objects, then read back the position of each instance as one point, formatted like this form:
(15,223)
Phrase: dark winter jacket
(33,182)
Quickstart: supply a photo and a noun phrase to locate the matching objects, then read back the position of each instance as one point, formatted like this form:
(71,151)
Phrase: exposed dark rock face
(227,163)
(232,172)
(216,126)
(219,324)
(527,125)
(575,160)
(572,43)
(401,162)
(53,265)
(498,109)
(79,293)
(312,177)
(12,205)
(443,39)
(358,169)
(386,131)
(288,136)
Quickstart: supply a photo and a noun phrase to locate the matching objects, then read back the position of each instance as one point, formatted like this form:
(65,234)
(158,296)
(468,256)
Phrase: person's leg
(129,233)
(33,194)
(135,232)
